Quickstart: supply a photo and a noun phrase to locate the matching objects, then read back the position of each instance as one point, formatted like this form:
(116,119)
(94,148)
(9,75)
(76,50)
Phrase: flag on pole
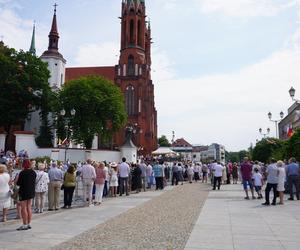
(290,131)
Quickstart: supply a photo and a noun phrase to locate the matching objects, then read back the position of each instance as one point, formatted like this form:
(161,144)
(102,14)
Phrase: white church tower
(55,60)
(56,66)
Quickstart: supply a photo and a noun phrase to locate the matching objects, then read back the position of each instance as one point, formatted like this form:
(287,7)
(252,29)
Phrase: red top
(100,176)
(246,171)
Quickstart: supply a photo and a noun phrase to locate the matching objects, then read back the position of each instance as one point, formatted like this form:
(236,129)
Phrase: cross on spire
(55,5)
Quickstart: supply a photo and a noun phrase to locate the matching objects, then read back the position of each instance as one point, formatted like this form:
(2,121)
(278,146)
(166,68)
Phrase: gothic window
(130,70)
(139,33)
(129,100)
(131,32)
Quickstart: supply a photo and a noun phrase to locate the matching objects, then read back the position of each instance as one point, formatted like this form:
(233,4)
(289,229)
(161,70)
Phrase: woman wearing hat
(113,181)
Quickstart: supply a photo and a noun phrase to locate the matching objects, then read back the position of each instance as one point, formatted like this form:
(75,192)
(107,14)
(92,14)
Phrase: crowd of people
(26,182)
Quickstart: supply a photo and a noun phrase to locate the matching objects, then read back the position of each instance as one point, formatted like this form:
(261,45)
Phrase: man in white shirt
(218,172)
(88,175)
(124,172)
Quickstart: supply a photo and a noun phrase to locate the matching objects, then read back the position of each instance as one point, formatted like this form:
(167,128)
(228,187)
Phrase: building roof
(77,72)
(181,143)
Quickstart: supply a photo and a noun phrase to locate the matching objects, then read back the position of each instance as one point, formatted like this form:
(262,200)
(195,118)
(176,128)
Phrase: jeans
(219,180)
(293,180)
(268,190)
(105,189)
(175,178)
(123,184)
(68,196)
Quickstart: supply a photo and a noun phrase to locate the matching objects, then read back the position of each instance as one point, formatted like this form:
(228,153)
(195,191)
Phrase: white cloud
(105,54)
(229,108)
(161,66)
(17,32)
(243,8)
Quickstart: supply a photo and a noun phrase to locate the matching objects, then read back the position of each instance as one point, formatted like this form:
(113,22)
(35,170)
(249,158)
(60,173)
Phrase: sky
(219,66)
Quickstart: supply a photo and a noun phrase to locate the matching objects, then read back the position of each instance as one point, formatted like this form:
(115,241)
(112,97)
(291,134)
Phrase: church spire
(32,49)
(53,35)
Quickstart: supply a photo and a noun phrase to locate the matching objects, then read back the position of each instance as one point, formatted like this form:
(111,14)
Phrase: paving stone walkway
(228,222)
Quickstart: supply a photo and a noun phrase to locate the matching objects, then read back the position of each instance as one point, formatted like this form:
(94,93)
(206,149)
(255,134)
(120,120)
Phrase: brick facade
(133,76)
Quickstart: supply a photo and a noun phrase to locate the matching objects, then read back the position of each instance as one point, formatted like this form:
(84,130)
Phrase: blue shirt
(158,171)
(55,174)
(292,169)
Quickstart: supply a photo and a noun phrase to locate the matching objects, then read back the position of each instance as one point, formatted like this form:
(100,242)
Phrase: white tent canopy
(164,151)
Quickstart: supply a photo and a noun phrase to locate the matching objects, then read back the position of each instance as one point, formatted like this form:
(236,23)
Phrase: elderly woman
(26,182)
(41,187)
(4,191)
(281,181)
(69,186)
(99,182)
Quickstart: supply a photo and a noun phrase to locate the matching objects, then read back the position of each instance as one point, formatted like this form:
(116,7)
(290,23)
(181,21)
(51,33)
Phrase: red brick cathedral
(133,76)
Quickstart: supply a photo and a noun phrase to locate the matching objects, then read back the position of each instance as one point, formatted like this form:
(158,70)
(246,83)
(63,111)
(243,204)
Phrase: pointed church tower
(133,75)
(55,60)
(32,49)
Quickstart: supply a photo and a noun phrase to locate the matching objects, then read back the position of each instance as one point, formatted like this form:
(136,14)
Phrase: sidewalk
(228,222)
(54,228)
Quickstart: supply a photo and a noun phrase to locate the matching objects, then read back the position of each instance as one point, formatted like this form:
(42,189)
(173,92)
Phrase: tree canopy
(99,106)
(23,83)
(163,141)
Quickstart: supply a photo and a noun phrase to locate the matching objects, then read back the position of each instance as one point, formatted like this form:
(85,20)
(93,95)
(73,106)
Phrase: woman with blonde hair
(41,187)
(281,180)
(4,191)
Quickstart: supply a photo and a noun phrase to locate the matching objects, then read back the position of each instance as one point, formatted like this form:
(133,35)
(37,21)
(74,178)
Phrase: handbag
(62,187)
(14,192)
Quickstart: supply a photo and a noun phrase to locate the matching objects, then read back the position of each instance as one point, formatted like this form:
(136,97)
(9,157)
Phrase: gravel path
(164,222)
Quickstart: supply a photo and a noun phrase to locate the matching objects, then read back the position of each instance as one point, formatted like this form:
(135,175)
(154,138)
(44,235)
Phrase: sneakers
(23,227)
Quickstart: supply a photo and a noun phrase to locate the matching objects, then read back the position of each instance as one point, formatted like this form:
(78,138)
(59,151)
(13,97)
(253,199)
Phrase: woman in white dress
(4,191)
(281,180)
(113,182)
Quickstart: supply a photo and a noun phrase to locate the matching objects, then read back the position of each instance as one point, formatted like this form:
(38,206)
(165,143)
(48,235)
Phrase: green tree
(269,148)
(23,82)
(236,156)
(163,141)
(99,106)
(293,146)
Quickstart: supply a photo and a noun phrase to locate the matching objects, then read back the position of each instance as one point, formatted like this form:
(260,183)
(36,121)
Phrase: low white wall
(27,142)
(2,141)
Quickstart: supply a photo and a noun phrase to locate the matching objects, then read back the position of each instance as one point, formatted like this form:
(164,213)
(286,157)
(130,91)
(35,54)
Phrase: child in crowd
(258,182)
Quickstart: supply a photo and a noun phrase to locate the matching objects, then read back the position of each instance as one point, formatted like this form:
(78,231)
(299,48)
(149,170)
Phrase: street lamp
(264,134)
(281,114)
(292,92)
(67,127)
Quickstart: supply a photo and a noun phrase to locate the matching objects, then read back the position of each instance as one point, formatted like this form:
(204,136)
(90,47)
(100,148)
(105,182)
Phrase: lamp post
(281,114)
(292,92)
(67,127)
(264,134)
